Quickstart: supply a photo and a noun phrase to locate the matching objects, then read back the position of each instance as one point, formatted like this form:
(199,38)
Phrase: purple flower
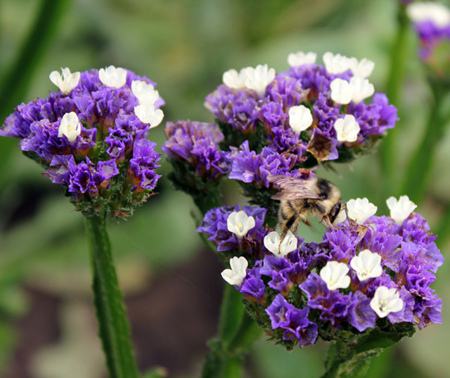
(253,286)
(88,139)
(360,314)
(250,167)
(197,144)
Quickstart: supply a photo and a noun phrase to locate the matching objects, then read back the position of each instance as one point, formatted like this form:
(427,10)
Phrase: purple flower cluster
(431,36)
(197,145)
(292,296)
(242,111)
(91,138)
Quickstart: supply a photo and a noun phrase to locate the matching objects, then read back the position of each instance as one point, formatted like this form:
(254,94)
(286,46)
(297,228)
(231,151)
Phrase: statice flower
(368,273)
(91,137)
(300,111)
(432,24)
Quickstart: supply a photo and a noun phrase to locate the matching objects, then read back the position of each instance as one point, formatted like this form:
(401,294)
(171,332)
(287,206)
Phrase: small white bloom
(234,79)
(335,275)
(114,77)
(336,63)
(400,208)
(144,92)
(301,58)
(70,127)
(347,129)
(360,209)
(362,68)
(437,13)
(149,114)
(385,301)
(239,223)
(66,81)
(300,118)
(272,241)
(258,78)
(367,265)
(341,91)
(361,89)
(238,271)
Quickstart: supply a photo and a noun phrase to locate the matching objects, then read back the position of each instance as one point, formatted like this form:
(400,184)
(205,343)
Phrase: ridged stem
(114,329)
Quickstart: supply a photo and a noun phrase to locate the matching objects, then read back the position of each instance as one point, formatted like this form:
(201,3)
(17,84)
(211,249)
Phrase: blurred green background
(47,328)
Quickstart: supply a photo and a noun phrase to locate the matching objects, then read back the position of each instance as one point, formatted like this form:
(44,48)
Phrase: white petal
(114,77)
(288,244)
(360,209)
(363,68)
(400,209)
(336,63)
(144,92)
(367,265)
(437,13)
(301,58)
(232,79)
(272,242)
(334,274)
(361,89)
(66,81)
(300,118)
(149,115)
(347,129)
(69,126)
(341,91)
(258,78)
(385,301)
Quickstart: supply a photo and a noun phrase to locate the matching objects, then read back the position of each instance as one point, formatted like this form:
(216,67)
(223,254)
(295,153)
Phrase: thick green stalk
(114,330)
(419,167)
(237,332)
(398,58)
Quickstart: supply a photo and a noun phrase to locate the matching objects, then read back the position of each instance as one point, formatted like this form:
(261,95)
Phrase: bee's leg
(326,222)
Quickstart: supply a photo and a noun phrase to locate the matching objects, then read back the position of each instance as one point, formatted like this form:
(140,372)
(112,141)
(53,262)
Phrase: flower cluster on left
(91,137)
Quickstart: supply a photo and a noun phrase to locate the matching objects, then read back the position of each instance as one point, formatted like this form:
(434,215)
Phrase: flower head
(400,208)
(360,209)
(238,271)
(89,140)
(273,243)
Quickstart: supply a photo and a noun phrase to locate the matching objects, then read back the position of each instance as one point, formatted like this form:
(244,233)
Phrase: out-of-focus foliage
(185,46)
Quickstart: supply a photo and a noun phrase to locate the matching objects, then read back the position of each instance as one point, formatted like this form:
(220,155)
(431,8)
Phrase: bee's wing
(292,188)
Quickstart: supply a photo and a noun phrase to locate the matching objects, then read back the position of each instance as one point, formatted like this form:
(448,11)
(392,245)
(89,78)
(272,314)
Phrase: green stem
(237,332)
(418,170)
(398,58)
(114,330)
(16,80)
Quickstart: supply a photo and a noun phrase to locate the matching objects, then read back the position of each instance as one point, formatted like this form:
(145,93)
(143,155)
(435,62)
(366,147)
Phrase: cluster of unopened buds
(367,272)
(91,137)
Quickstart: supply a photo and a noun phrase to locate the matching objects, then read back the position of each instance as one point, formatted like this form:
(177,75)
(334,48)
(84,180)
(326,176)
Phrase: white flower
(258,78)
(234,79)
(70,127)
(360,209)
(341,91)
(301,58)
(367,265)
(361,89)
(272,241)
(149,114)
(113,77)
(300,118)
(347,129)
(400,208)
(238,271)
(239,223)
(335,275)
(144,92)
(336,63)
(66,80)
(437,13)
(362,68)
(385,301)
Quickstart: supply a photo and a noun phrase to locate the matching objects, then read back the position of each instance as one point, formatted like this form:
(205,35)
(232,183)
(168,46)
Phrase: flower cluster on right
(367,272)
